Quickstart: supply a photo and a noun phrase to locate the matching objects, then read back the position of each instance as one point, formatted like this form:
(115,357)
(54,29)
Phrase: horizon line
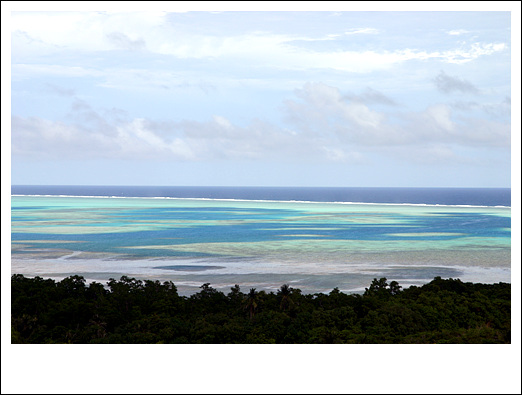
(255,186)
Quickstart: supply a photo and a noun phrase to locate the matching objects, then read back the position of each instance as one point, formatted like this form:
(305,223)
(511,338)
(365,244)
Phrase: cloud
(278,51)
(88,134)
(52,33)
(126,79)
(499,110)
(86,31)
(448,84)
(135,139)
(428,154)
(60,91)
(366,30)
(122,41)
(440,115)
(38,138)
(259,140)
(370,96)
(457,32)
(321,104)
(334,36)
(324,126)
(323,111)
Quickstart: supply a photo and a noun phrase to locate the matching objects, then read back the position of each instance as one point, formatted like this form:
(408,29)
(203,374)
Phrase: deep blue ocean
(429,196)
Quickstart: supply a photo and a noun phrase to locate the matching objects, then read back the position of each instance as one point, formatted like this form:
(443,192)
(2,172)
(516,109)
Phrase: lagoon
(313,246)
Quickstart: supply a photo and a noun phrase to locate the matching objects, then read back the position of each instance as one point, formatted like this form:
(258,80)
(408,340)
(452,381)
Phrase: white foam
(267,201)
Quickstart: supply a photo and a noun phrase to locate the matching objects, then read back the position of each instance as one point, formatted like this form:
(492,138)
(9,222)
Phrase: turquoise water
(262,244)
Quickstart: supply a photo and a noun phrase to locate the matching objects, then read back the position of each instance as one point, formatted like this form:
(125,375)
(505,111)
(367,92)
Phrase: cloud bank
(322,124)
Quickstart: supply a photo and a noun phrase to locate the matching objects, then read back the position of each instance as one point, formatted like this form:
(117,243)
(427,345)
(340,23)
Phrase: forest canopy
(144,311)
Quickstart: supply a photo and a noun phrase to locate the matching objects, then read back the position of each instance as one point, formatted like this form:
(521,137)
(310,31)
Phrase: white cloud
(366,30)
(476,50)
(125,42)
(85,31)
(336,154)
(38,138)
(46,33)
(223,122)
(135,138)
(457,32)
(440,114)
(278,51)
(320,102)
(43,139)
(323,111)
(371,96)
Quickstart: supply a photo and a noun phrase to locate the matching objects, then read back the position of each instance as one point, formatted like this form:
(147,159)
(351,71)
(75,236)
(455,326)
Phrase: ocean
(314,239)
(432,196)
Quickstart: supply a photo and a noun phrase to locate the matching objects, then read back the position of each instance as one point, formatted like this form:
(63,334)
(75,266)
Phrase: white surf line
(267,201)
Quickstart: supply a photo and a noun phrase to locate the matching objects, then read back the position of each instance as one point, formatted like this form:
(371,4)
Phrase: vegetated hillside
(135,311)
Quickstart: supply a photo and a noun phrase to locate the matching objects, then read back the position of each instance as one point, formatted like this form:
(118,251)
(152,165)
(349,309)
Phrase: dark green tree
(284,293)
(394,288)
(251,303)
(381,289)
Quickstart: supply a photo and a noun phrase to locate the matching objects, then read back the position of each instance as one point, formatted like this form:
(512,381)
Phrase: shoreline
(188,288)
(190,275)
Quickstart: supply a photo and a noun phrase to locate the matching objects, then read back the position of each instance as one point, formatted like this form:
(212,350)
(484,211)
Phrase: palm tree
(284,292)
(251,302)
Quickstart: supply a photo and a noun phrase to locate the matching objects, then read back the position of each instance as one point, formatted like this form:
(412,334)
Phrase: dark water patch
(427,273)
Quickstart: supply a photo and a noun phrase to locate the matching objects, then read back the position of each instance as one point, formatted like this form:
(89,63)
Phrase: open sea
(314,239)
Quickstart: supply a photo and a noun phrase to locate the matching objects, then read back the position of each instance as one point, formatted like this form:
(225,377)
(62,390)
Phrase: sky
(261,98)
